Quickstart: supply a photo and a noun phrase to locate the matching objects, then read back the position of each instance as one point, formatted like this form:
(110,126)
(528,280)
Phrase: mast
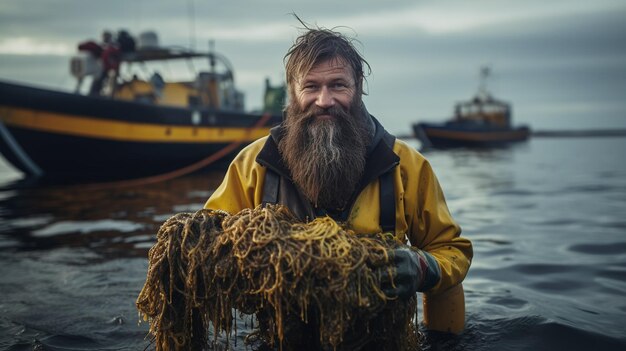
(485,72)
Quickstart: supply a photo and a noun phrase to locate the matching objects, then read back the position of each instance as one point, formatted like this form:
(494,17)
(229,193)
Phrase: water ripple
(591,188)
(66,227)
(539,268)
(600,249)
(558,285)
(508,301)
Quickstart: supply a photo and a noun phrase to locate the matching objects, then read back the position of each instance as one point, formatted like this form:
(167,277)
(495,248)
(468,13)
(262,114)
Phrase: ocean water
(547,219)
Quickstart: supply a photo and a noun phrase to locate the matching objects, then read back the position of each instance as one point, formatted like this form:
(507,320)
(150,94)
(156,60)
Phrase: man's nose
(325,98)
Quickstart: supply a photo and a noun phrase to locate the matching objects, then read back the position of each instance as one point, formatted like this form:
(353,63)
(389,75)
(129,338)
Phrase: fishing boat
(483,121)
(134,120)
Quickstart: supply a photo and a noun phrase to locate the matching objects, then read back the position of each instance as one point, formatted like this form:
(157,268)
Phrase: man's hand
(409,271)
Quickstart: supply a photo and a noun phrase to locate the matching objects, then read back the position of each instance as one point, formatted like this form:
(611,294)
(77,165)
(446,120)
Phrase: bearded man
(330,157)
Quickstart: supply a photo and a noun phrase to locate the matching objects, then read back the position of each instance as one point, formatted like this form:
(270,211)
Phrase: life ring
(445,311)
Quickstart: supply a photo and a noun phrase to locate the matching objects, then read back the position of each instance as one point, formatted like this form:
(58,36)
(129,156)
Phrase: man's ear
(361,86)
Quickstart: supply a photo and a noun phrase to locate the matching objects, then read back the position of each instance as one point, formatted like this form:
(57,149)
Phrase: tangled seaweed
(310,285)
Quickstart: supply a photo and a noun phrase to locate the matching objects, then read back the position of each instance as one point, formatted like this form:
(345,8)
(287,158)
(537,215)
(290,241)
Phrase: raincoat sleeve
(432,229)
(242,186)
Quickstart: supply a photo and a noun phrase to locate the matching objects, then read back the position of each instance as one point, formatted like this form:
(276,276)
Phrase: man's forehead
(330,66)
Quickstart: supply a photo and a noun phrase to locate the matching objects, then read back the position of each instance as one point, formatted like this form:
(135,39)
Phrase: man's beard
(326,157)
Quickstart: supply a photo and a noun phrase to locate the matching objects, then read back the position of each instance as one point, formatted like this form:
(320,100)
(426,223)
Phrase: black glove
(411,271)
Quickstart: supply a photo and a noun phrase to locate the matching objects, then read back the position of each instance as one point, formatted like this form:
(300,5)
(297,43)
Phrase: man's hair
(320,44)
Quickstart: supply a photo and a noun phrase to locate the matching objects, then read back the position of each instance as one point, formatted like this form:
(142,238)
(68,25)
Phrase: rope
(182,171)
(311,286)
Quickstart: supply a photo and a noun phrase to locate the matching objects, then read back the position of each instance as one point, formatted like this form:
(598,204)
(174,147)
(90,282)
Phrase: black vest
(380,163)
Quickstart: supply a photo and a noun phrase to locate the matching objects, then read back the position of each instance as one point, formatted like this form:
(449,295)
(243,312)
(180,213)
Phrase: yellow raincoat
(421,214)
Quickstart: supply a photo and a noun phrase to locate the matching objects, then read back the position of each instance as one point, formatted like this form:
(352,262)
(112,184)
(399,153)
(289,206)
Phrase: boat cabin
(168,76)
(483,109)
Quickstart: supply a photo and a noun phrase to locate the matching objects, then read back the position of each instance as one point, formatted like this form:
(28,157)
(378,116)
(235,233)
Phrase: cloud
(424,55)
(31,46)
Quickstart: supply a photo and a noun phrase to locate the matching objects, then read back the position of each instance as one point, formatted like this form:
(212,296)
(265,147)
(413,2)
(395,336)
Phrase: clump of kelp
(309,285)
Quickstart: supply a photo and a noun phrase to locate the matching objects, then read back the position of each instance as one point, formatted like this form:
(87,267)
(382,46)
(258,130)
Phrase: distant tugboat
(481,122)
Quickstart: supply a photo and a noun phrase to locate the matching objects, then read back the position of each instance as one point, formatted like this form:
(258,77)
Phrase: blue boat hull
(64,135)
(467,135)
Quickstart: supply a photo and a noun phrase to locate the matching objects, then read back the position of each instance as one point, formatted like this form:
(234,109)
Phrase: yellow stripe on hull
(119,130)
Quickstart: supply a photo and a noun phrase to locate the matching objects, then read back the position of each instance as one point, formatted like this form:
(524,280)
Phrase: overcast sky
(562,64)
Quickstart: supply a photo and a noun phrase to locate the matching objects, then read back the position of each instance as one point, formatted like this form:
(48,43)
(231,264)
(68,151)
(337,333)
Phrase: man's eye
(338,86)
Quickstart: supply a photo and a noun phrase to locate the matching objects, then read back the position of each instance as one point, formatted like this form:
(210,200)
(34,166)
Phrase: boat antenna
(485,72)
(192,25)
(212,54)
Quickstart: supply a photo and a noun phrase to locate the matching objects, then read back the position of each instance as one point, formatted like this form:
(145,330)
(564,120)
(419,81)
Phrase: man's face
(329,83)
(325,134)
